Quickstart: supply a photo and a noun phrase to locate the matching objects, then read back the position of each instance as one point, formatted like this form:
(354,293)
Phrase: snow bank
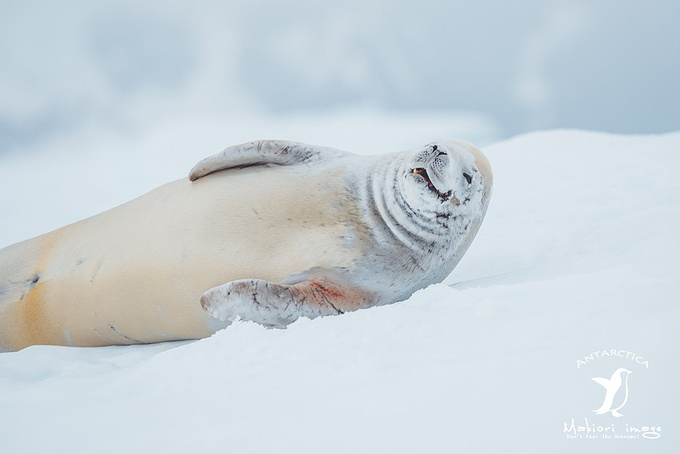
(573,274)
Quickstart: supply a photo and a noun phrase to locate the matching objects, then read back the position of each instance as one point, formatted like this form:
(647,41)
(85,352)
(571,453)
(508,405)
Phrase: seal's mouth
(444,196)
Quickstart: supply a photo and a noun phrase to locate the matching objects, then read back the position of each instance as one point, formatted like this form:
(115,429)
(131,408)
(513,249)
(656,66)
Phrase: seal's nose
(468,177)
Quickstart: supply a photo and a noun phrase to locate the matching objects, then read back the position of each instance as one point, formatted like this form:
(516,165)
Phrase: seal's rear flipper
(261,152)
(278,305)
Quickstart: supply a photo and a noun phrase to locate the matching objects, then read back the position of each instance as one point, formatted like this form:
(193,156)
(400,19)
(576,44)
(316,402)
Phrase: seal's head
(425,207)
(447,175)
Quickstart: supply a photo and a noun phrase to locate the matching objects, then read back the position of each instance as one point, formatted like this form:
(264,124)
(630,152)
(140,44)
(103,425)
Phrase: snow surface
(578,254)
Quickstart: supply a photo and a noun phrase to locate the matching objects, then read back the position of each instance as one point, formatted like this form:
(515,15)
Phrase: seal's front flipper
(278,305)
(261,152)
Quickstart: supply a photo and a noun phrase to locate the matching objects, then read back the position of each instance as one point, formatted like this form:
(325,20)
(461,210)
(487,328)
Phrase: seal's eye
(468,177)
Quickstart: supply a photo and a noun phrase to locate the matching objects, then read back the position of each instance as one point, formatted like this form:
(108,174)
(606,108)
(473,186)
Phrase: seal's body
(265,231)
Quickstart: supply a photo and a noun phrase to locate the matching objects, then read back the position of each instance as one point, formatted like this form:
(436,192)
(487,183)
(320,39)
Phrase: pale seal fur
(267,231)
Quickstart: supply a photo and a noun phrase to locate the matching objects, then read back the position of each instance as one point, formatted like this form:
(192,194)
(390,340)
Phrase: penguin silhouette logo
(616,394)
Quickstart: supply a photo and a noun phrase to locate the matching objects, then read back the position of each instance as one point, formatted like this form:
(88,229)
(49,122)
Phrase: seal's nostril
(467,177)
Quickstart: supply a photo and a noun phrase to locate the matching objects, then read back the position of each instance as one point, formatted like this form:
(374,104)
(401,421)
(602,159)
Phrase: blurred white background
(128,66)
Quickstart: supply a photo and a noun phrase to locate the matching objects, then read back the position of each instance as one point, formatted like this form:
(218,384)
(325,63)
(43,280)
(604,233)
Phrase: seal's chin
(443,196)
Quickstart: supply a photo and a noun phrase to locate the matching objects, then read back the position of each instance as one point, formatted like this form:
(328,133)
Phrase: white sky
(607,65)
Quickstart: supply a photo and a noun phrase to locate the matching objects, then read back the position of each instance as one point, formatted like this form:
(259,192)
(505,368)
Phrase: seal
(266,231)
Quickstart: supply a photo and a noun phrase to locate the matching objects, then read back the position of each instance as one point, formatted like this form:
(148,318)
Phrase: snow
(578,254)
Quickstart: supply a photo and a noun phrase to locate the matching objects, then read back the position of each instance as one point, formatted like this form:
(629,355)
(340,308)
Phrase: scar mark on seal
(113,328)
(31,283)
(96,272)
(34,281)
(326,290)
